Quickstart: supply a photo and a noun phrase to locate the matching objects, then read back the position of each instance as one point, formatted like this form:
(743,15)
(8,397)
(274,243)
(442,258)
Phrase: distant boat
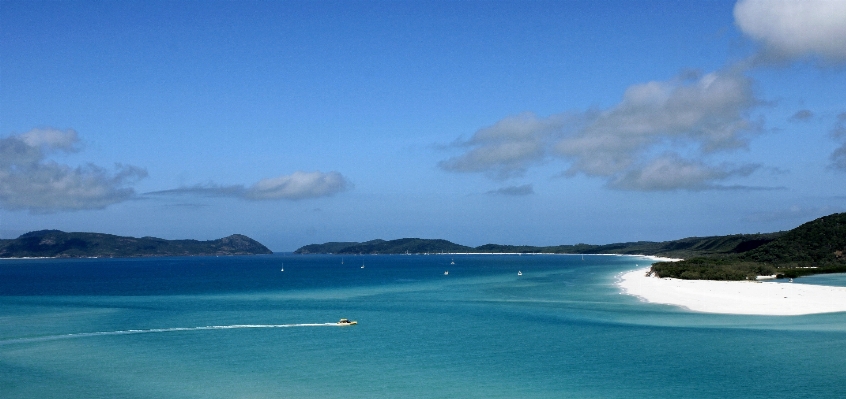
(283,268)
(362,266)
(446,273)
(342,261)
(519,273)
(347,322)
(452,262)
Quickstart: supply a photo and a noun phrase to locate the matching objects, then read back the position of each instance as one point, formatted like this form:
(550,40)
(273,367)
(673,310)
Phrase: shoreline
(734,297)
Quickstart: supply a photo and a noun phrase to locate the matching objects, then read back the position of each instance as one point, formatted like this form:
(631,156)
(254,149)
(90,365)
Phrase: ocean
(240,327)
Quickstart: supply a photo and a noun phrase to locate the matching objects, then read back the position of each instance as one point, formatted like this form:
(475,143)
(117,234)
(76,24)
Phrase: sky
(509,122)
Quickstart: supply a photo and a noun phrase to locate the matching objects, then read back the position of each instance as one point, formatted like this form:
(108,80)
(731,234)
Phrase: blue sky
(479,122)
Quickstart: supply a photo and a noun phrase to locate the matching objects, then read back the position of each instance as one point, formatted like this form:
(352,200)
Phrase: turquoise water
(238,327)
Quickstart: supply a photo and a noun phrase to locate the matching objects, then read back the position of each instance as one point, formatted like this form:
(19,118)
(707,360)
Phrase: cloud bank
(29,181)
(792,29)
(706,112)
(296,186)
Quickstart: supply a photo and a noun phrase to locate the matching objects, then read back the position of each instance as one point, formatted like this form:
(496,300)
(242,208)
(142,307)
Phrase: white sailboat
(446,273)
(283,268)
(519,273)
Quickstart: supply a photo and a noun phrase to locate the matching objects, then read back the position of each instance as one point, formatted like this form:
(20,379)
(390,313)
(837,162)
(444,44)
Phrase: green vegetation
(700,268)
(813,248)
(58,244)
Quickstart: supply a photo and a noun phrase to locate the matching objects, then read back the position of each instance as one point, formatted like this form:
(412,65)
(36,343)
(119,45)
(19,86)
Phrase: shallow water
(238,327)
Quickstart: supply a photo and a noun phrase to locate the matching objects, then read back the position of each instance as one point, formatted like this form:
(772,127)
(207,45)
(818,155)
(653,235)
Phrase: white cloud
(671,172)
(707,112)
(790,29)
(296,186)
(29,181)
(508,147)
(299,185)
(51,138)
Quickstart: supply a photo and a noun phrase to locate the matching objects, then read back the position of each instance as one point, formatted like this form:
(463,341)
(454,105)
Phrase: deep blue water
(238,327)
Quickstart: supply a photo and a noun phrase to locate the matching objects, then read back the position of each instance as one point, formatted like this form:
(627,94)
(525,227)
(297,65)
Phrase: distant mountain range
(686,247)
(59,244)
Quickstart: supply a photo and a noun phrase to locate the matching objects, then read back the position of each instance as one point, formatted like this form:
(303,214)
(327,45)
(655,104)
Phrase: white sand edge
(735,297)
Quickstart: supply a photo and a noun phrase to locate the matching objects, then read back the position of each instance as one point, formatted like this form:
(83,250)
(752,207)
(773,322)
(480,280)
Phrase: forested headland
(59,244)
(813,248)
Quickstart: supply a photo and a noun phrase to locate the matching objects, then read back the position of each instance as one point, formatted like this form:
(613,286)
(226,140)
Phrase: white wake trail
(157,330)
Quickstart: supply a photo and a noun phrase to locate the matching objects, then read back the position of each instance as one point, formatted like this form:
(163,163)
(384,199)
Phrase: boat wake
(157,330)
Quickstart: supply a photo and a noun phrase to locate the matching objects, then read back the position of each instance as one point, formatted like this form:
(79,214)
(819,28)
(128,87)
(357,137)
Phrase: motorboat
(347,322)
(519,273)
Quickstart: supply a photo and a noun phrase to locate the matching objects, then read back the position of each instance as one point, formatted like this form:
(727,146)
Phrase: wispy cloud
(838,157)
(29,181)
(795,213)
(802,115)
(708,112)
(525,189)
(296,186)
(794,29)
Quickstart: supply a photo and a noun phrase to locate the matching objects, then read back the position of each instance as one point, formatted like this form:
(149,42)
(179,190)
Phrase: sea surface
(240,327)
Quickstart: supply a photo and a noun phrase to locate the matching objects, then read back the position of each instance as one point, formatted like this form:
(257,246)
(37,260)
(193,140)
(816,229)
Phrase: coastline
(734,297)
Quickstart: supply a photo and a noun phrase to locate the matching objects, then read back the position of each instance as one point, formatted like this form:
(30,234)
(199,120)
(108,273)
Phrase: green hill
(821,241)
(812,248)
(59,244)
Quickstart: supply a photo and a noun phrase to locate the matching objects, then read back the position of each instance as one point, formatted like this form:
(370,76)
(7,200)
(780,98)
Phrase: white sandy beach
(735,297)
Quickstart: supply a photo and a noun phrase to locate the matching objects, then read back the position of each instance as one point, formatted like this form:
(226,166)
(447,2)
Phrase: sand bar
(735,297)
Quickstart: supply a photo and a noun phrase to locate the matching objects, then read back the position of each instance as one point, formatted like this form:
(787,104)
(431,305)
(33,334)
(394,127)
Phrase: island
(59,244)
